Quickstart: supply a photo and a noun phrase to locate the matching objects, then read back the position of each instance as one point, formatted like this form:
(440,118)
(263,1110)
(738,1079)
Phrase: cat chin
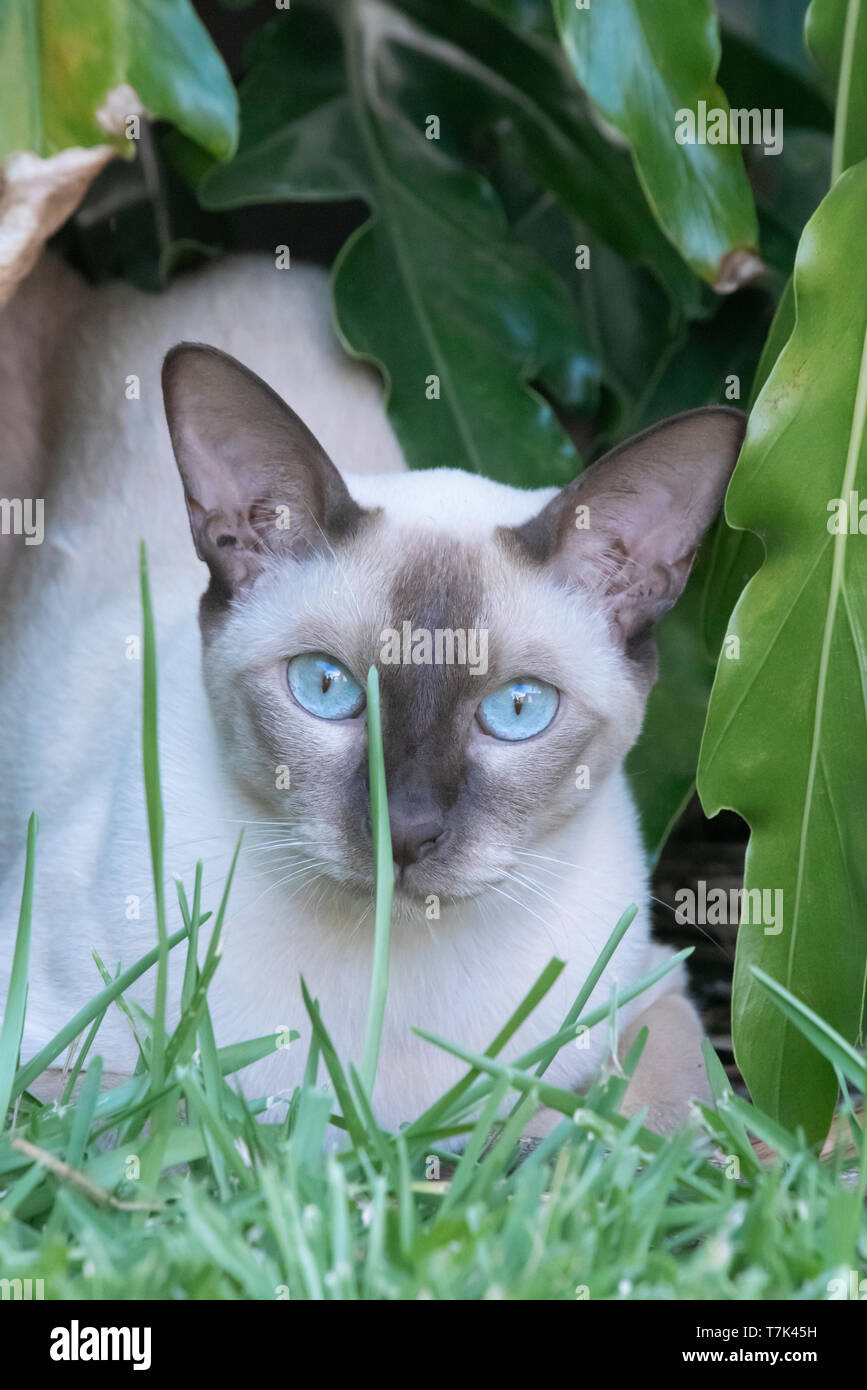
(409,895)
(410,904)
(428,903)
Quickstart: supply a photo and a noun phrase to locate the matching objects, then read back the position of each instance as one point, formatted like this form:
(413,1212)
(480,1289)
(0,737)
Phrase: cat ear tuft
(256,480)
(627,529)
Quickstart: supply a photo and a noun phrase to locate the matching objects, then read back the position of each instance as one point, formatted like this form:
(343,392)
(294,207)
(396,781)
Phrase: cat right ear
(256,481)
(627,528)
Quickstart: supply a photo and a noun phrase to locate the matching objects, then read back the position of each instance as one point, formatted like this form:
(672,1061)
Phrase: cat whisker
(546,897)
(651,897)
(311,866)
(524,908)
(275,845)
(357,927)
(602,917)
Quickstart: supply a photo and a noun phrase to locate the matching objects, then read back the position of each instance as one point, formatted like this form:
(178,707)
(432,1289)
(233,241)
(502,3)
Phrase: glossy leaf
(641,64)
(489,79)
(432,289)
(786,737)
(836,35)
(65,63)
(631,329)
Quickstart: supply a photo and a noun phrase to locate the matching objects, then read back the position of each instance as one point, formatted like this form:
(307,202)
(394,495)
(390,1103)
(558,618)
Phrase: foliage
(60,60)
(532,273)
(94,1205)
(801,629)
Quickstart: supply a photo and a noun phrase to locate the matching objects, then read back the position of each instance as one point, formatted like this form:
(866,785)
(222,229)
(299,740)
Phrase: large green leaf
(60,60)
(642,62)
(457,315)
(786,737)
(490,79)
(461,63)
(434,293)
(836,34)
(631,328)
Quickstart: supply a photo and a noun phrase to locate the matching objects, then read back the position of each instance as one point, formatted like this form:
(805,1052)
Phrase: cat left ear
(627,529)
(256,480)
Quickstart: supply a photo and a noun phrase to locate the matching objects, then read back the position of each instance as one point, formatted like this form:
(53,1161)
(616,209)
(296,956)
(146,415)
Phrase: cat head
(512,630)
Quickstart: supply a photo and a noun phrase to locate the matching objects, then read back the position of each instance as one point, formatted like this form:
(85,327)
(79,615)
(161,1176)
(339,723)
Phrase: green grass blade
(84,1113)
(155,816)
(431,1117)
(16,998)
(384,865)
(335,1070)
(82,1057)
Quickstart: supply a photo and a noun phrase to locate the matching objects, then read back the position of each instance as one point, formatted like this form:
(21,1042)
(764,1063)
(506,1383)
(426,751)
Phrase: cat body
(533,849)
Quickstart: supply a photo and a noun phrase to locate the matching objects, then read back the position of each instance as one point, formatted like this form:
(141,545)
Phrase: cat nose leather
(412,837)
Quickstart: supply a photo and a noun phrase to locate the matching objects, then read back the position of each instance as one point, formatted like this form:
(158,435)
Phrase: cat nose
(412,838)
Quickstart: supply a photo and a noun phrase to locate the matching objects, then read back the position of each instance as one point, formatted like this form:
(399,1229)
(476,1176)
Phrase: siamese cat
(315,554)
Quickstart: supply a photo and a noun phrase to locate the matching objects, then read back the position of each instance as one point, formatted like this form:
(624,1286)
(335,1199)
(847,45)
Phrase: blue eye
(323,687)
(521,709)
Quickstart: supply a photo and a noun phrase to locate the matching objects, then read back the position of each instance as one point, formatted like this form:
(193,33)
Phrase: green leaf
(520,92)
(60,61)
(430,289)
(300,137)
(836,35)
(786,738)
(85,1016)
(839,1053)
(433,288)
(467,314)
(629,328)
(642,63)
